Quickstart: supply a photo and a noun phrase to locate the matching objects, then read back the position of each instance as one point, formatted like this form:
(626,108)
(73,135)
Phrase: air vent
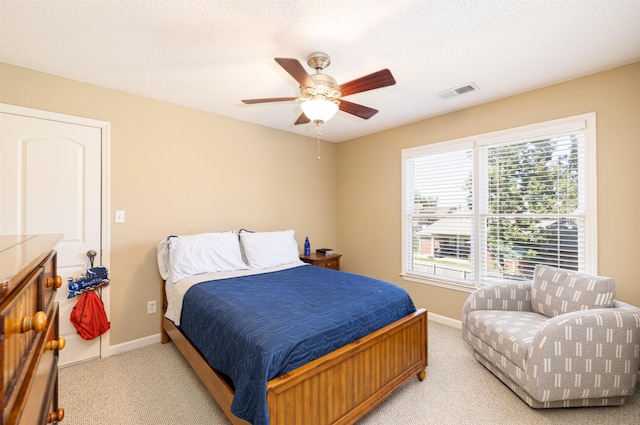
(457,91)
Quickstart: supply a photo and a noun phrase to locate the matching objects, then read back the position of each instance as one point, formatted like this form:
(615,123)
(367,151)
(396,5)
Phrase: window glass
(488,208)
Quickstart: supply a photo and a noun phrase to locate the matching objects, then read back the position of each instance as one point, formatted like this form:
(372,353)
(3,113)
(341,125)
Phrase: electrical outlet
(152,307)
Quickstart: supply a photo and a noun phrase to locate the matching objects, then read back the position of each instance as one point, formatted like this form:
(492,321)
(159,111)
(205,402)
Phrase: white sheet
(176,291)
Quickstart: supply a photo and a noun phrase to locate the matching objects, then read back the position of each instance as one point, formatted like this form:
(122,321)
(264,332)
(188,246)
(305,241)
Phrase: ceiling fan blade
(295,69)
(376,80)
(268,99)
(361,111)
(302,119)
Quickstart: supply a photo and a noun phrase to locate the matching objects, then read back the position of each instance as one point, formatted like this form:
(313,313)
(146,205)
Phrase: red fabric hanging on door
(88,316)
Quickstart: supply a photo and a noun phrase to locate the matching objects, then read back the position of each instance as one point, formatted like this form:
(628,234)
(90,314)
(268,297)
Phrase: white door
(52,182)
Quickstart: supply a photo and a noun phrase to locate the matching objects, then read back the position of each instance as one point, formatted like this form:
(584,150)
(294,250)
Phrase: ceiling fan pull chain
(319,134)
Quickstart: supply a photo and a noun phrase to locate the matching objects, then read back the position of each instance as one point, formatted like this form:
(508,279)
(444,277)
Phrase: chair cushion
(555,291)
(508,332)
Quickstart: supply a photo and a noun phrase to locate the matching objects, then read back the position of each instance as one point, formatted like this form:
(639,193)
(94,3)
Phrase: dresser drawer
(43,410)
(22,328)
(333,263)
(39,393)
(50,283)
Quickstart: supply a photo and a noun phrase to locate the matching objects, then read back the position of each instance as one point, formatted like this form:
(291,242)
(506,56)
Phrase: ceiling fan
(320,94)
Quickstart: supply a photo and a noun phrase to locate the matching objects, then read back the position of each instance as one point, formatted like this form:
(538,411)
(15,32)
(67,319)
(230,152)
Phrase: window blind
(489,208)
(531,205)
(439,212)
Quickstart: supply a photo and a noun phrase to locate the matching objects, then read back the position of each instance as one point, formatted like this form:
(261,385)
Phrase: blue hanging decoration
(94,278)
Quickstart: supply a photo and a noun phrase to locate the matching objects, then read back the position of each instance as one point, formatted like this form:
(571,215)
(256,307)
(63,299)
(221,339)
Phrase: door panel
(53,170)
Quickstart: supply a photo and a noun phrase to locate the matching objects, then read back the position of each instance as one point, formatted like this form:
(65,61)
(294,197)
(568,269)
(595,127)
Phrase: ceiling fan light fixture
(321,96)
(319,110)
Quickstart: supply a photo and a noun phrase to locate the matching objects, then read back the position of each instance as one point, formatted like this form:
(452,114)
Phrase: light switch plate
(119,216)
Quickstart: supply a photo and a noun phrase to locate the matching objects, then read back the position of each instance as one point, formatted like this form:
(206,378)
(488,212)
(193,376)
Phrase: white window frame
(591,230)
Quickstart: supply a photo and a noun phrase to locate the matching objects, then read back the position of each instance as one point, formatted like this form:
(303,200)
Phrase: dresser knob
(56,416)
(55,344)
(53,282)
(37,323)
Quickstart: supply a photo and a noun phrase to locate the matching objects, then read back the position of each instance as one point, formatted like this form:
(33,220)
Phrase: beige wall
(179,171)
(369,179)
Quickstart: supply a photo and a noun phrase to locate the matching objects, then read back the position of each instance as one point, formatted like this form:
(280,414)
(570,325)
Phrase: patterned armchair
(560,340)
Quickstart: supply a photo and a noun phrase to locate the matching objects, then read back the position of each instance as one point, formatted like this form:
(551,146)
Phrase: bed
(325,347)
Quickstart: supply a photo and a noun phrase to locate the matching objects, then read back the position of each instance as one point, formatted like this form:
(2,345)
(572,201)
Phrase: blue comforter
(255,328)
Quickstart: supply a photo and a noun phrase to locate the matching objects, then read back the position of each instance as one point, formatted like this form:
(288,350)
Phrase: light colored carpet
(155,386)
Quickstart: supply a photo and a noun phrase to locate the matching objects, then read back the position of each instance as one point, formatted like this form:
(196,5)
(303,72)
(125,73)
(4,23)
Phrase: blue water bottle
(307,247)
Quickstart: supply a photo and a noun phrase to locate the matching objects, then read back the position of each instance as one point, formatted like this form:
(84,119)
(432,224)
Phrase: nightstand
(327,261)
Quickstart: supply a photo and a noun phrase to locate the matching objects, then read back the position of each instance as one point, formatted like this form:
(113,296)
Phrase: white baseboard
(444,320)
(132,345)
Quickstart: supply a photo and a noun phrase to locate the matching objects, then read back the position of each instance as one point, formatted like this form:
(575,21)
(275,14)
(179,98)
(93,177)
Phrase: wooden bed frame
(338,388)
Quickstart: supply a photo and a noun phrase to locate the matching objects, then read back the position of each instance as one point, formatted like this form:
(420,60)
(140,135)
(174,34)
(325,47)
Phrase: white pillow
(269,249)
(163,258)
(204,253)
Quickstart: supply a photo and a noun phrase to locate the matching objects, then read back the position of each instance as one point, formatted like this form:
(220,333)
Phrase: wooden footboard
(338,388)
(344,385)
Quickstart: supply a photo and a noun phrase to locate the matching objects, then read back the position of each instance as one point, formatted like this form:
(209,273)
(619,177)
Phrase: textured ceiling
(209,55)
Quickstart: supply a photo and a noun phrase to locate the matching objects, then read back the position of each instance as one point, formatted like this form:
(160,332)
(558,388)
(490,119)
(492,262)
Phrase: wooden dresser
(29,330)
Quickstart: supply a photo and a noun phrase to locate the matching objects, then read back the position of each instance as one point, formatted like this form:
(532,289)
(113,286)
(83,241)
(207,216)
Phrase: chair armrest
(602,346)
(513,296)
(624,306)
(608,326)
